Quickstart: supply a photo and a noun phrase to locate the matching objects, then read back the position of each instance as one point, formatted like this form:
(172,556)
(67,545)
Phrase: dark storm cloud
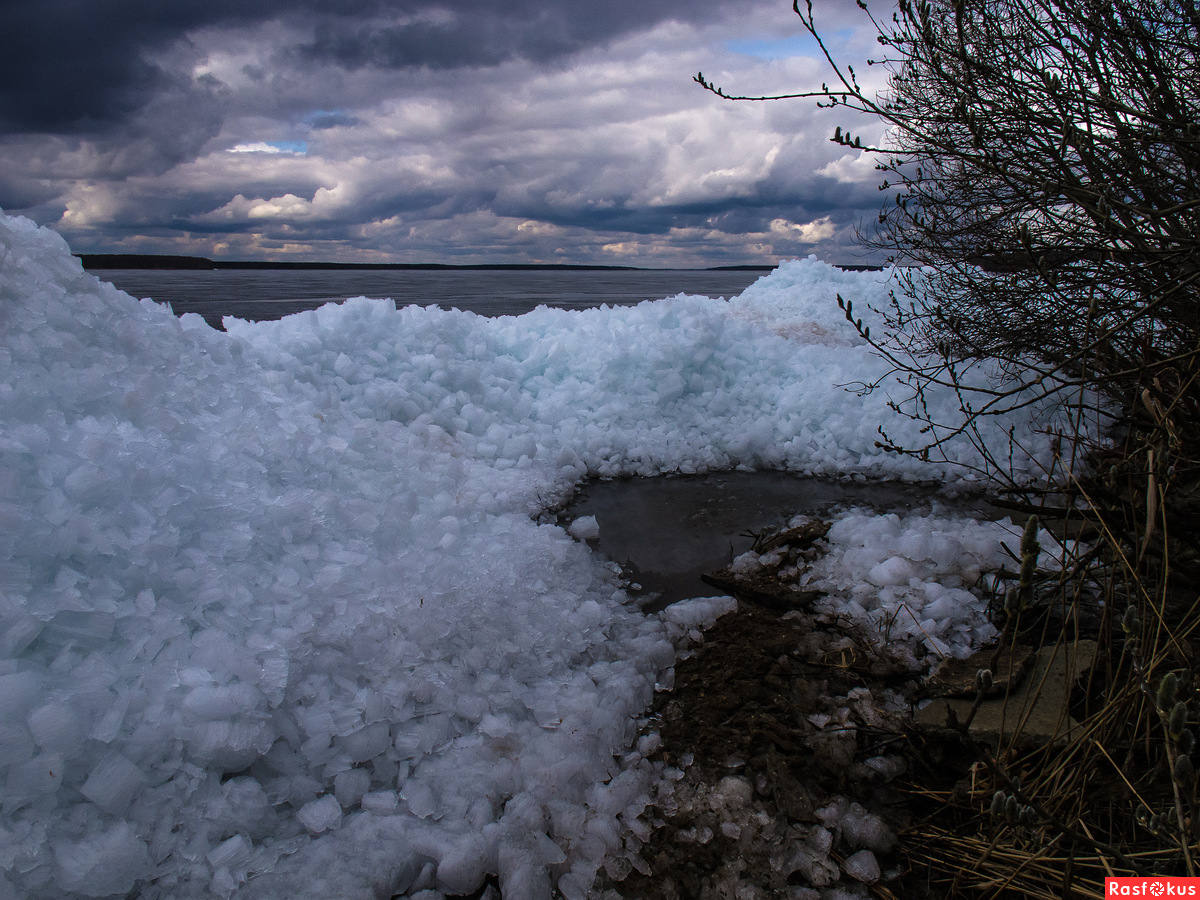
(485,33)
(83,66)
(21,193)
(418,130)
(320,121)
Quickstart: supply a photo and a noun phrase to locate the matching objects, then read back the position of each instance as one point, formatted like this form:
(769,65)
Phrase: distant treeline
(157,261)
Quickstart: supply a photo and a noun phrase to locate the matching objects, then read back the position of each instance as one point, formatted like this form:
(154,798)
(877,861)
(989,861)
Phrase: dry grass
(1119,797)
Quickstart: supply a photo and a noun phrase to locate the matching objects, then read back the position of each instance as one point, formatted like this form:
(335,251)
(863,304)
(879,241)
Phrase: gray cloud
(477,33)
(412,131)
(80,66)
(322,120)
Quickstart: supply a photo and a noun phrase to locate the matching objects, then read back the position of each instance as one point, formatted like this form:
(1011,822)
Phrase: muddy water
(666,531)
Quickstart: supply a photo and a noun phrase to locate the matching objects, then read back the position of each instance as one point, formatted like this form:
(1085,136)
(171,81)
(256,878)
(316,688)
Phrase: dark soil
(790,709)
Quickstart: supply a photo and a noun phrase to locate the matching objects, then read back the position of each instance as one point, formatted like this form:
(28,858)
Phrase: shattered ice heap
(278,618)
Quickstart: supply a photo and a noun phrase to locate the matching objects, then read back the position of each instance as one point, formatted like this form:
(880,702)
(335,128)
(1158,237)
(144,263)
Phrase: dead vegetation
(1062,754)
(1041,159)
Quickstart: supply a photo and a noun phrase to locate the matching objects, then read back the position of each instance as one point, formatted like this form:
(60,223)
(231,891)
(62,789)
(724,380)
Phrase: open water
(666,531)
(262,294)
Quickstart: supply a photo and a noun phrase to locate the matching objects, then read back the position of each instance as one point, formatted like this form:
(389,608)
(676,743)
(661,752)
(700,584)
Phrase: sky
(450,131)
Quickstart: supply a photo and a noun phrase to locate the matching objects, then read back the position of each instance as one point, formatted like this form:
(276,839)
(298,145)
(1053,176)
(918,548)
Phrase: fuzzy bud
(1012,809)
(998,800)
(1013,602)
(1177,721)
(1184,771)
(1029,537)
(1186,741)
(1029,556)
(983,678)
(1167,689)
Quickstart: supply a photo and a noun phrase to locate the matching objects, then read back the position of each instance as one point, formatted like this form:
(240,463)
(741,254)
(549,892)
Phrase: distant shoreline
(157,261)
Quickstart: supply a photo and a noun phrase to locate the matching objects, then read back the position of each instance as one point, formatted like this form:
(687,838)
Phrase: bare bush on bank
(1042,170)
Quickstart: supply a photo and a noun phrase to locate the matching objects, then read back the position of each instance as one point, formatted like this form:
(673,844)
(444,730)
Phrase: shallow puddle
(668,530)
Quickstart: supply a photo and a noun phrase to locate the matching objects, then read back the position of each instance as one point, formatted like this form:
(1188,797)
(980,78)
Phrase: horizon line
(101,261)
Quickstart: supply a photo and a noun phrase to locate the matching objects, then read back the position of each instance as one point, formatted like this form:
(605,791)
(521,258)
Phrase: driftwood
(766,592)
(763,588)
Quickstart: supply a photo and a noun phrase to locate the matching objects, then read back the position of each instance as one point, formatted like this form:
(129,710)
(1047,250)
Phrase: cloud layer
(416,131)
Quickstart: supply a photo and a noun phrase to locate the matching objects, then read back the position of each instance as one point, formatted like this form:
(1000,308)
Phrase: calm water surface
(666,531)
(273,293)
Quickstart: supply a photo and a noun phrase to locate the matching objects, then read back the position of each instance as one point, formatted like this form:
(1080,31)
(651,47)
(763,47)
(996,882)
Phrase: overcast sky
(423,131)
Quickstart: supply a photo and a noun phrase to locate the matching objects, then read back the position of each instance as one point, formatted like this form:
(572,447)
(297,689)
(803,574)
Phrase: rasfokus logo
(1152,886)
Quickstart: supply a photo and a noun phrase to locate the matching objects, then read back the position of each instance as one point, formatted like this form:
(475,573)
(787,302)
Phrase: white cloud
(256,147)
(852,168)
(89,206)
(813,232)
(286,148)
(538,229)
(285,208)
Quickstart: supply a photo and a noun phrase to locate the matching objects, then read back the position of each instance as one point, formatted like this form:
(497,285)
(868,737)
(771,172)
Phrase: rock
(958,677)
(1035,711)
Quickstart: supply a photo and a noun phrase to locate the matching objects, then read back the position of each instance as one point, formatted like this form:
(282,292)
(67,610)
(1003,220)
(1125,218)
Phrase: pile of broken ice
(277,616)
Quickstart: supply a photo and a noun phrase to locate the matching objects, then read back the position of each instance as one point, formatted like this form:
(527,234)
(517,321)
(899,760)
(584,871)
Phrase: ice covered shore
(276,619)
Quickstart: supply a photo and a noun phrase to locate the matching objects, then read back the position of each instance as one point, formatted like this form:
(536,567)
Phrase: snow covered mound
(275,617)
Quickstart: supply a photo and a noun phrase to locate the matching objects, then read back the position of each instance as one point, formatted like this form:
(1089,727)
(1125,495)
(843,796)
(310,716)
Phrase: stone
(1036,711)
(957,677)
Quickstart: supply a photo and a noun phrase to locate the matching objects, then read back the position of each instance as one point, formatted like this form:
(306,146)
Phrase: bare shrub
(1042,169)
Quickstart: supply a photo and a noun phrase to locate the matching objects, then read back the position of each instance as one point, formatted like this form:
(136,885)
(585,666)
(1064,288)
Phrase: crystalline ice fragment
(382,802)
(321,814)
(113,783)
(862,866)
(19,691)
(349,787)
(367,742)
(231,853)
(584,528)
(56,726)
(462,868)
(88,630)
(34,778)
(104,863)
(420,798)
